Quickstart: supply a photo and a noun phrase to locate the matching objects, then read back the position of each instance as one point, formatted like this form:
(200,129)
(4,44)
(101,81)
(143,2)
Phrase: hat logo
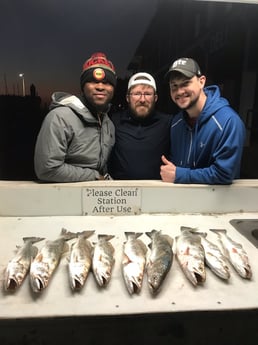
(179,62)
(99,74)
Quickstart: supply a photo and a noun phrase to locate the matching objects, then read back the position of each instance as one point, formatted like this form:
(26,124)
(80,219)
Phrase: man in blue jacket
(207,135)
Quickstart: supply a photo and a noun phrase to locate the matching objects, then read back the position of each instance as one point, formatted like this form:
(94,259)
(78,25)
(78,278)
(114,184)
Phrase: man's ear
(202,80)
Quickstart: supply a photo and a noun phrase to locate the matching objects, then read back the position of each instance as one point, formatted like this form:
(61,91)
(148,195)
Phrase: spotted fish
(47,260)
(134,260)
(160,259)
(19,266)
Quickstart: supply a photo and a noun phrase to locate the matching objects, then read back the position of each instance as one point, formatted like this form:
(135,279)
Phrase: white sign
(111,201)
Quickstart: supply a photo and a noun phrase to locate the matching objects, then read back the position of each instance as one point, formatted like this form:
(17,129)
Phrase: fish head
(13,281)
(15,275)
(103,277)
(77,281)
(154,281)
(196,271)
(78,272)
(39,276)
(133,276)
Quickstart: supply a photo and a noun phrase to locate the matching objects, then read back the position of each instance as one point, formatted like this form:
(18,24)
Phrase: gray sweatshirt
(72,144)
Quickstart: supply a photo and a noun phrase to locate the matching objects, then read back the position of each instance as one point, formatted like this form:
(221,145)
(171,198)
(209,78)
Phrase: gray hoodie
(72,145)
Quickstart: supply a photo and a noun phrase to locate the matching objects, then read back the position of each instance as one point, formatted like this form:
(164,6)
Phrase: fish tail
(218,231)
(131,233)
(86,233)
(68,235)
(152,233)
(105,237)
(183,228)
(194,231)
(33,239)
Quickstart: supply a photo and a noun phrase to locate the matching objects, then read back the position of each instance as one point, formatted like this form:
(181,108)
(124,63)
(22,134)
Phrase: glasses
(138,95)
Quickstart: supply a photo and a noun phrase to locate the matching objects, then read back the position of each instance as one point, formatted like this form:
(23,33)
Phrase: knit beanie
(98,69)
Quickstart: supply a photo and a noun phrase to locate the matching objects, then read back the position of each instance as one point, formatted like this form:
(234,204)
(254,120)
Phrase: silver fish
(19,266)
(134,259)
(47,260)
(235,253)
(190,255)
(103,259)
(80,260)
(214,258)
(160,259)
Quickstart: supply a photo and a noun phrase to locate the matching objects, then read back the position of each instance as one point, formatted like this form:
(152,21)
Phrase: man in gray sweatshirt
(76,137)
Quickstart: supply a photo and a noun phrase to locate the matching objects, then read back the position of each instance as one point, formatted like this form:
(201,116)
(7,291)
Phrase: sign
(111,201)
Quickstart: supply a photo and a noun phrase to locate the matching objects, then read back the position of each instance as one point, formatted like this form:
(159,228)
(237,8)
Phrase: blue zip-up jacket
(211,151)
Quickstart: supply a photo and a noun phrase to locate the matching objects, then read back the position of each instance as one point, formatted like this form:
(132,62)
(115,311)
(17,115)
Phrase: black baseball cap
(187,66)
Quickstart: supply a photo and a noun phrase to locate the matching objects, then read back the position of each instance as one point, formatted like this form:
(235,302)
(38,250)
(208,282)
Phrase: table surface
(177,293)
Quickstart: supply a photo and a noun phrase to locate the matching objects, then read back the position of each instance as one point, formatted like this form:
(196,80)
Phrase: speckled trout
(47,260)
(19,266)
(103,259)
(80,260)
(190,255)
(214,258)
(133,264)
(160,259)
(235,253)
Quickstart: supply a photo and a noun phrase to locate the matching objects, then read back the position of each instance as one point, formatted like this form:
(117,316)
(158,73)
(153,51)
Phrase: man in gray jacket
(77,136)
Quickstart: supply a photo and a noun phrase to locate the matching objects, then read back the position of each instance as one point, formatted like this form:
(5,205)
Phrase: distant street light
(21,75)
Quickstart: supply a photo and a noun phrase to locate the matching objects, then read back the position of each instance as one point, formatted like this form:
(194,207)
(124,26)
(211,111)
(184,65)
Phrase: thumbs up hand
(167,170)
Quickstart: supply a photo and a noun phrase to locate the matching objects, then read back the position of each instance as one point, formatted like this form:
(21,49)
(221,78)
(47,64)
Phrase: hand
(168,170)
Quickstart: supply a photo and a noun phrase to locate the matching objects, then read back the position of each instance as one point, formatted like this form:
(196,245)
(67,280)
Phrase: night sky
(49,40)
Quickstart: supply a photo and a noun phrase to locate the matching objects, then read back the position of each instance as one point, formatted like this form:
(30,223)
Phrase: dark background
(221,36)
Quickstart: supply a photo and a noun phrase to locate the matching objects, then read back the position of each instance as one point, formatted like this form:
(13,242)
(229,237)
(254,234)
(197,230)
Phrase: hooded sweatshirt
(209,152)
(139,145)
(72,144)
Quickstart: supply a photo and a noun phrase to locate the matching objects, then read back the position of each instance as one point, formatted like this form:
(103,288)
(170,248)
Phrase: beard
(142,114)
(191,104)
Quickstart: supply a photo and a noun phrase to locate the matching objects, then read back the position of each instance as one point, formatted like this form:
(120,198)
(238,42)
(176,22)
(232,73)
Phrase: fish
(190,255)
(18,268)
(80,260)
(47,260)
(235,253)
(103,259)
(214,258)
(133,263)
(160,259)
